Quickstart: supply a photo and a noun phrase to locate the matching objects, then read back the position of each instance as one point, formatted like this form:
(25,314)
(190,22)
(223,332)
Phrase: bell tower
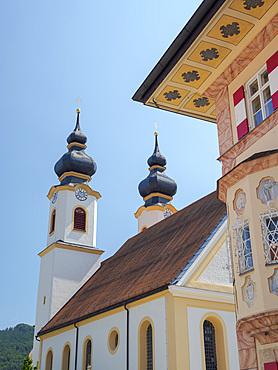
(71,256)
(157,190)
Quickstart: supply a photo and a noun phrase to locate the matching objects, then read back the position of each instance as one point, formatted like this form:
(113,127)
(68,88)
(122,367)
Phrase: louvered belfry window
(52,221)
(79,219)
(210,346)
(149,343)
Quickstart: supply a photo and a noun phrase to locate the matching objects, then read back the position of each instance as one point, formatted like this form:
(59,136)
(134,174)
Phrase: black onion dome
(77,135)
(157,180)
(75,159)
(156,158)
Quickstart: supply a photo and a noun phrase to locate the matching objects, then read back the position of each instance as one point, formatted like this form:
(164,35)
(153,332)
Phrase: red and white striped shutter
(240,113)
(272,70)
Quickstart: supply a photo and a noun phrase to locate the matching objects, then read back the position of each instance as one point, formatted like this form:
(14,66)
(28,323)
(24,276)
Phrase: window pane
(258,118)
(210,347)
(267,94)
(254,87)
(256,104)
(264,77)
(149,343)
(268,108)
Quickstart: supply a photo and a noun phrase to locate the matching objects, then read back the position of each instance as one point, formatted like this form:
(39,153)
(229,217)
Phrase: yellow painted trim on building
(76,144)
(147,299)
(38,364)
(76,174)
(157,195)
(50,222)
(142,327)
(222,352)
(86,339)
(154,208)
(71,248)
(86,221)
(101,316)
(113,351)
(50,349)
(57,332)
(202,295)
(214,287)
(73,188)
(144,227)
(156,166)
(66,344)
(177,333)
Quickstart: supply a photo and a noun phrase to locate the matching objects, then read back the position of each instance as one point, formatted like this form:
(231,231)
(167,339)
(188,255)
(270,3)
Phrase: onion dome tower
(157,190)
(71,256)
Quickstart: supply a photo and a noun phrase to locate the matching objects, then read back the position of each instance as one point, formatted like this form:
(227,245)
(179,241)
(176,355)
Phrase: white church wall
(57,344)
(65,203)
(99,330)
(217,272)
(195,316)
(149,218)
(156,311)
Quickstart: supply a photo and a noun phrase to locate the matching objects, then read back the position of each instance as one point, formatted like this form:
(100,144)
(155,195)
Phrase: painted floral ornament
(81,194)
(54,198)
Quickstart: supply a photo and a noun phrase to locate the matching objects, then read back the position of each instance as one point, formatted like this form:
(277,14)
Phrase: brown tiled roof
(145,263)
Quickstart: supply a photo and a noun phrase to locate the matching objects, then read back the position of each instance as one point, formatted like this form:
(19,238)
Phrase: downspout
(38,364)
(76,345)
(127,337)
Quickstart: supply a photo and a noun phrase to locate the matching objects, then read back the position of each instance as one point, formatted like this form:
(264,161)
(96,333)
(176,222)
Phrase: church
(195,288)
(164,300)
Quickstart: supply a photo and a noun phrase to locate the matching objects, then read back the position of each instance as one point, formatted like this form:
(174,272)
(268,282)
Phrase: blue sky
(52,53)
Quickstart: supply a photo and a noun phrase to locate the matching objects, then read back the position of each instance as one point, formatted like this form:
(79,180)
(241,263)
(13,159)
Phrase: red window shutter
(240,113)
(79,219)
(272,70)
(271,366)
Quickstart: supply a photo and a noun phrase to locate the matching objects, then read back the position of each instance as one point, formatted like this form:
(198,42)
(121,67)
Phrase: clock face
(54,198)
(167,212)
(81,194)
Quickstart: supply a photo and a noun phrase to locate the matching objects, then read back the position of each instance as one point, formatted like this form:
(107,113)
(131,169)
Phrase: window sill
(246,271)
(271,263)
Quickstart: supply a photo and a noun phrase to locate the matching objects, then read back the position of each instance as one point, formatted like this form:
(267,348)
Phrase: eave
(203,32)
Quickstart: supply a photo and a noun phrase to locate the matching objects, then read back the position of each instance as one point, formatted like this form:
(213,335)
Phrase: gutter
(127,337)
(122,304)
(182,42)
(76,346)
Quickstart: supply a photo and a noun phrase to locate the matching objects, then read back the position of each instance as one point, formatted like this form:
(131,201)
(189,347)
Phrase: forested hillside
(15,345)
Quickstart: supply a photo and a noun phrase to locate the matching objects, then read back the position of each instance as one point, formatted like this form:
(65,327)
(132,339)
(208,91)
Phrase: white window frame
(242,264)
(250,98)
(270,240)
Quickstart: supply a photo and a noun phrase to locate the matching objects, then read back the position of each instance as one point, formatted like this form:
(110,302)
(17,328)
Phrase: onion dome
(157,188)
(75,166)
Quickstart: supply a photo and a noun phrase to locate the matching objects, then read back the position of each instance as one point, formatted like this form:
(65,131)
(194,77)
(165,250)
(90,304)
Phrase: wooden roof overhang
(215,35)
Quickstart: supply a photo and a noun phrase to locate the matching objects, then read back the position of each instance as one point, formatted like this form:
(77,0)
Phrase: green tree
(27,364)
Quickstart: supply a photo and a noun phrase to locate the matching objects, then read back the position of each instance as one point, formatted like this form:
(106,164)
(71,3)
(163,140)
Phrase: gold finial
(155,126)
(78,101)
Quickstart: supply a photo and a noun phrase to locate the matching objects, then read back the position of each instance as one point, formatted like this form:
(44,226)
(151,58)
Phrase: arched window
(79,222)
(210,345)
(146,346)
(52,221)
(149,344)
(66,358)
(49,360)
(87,359)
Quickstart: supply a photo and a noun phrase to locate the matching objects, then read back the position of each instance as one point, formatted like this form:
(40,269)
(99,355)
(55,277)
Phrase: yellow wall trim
(73,188)
(71,248)
(156,166)
(154,208)
(203,295)
(77,144)
(76,174)
(157,195)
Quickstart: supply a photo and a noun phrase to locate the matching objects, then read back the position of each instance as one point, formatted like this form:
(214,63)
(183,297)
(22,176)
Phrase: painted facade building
(164,300)
(223,68)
